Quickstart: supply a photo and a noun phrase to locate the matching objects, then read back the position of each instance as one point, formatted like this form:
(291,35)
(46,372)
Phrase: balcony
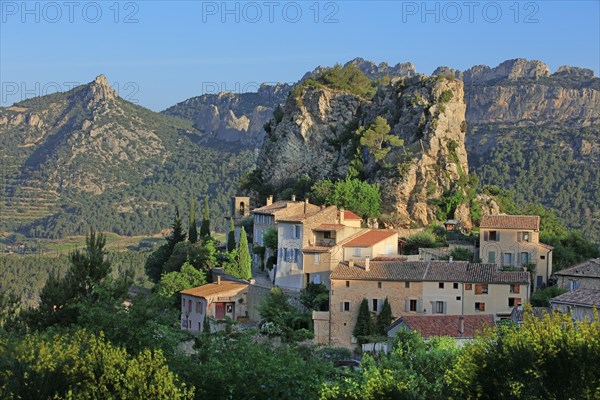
(326,242)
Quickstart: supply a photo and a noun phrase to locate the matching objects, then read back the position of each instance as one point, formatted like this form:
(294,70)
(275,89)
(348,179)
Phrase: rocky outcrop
(313,139)
(232,117)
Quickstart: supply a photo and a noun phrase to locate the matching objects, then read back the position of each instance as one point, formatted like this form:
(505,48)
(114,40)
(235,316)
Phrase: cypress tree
(205,227)
(244,259)
(177,235)
(364,323)
(231,236)
(193,229)
(385,318)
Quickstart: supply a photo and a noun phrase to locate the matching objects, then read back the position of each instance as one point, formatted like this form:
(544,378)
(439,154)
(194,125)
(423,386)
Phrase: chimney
(461,325)
(293,197)
(269,200)
(305,205)
(367,263)
(218,279)
(351,263)
(341,216)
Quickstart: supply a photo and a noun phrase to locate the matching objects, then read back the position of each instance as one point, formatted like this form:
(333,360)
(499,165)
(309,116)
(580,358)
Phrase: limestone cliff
(314,139)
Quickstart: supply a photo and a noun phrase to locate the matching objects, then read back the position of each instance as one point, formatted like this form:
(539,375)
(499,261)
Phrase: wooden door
(220,310)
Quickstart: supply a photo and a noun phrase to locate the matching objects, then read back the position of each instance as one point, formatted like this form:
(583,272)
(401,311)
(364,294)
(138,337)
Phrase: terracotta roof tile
(214,288)
(370,238)
(528,222)
(447,325)
(433,271)
(329,227)
(351,215)
(302,216)
(586,297)
(587,269)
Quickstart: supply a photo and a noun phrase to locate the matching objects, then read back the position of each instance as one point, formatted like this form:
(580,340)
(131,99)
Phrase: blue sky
(158,53)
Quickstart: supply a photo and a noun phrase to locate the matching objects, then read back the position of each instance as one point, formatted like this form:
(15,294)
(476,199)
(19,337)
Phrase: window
(189,306)
(492,236)
(377,304)
(412,305)
(288,254)
(457,298)
(317,279)
(327,235)
(347,283)
(479,306)
(183,304)
(524,257)
(198,307)
(440,307)
(357,252)
(455,285)
(441,285)
(297,232)
(523,237)
(317,259)
(491,257)
(345,306)
(542,257)
(481,288)
(407,285)
(297,257)
(515,288)
(378,285)
(468,286)
(514,301)
(508,259)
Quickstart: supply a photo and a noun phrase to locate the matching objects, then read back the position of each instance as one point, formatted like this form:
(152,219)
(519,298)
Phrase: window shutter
(406,305)
(445,308)
(419,306)
(341,306)
(350,306)
(485,236)
(497,236)
(519,235)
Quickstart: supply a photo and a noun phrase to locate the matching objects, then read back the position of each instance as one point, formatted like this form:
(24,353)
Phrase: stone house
(513,242)
(581,302)
(213,301)
(585,275)
(417,288)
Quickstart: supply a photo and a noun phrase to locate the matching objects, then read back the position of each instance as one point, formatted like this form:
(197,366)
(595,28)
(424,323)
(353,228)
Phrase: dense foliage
(352,194)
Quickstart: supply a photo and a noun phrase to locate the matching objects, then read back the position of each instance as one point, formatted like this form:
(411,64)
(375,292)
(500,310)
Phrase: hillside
(87,158)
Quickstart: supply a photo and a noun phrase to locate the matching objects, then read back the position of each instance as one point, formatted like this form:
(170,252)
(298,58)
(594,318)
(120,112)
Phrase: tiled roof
(273,207)
(528,222)
(316,249)
(329,227)
(585,297)
(433,271)
(302,216)
(370,238)
(214,288)
(389,258)
(350,215)
(382,270)
(446,325)
(587,269)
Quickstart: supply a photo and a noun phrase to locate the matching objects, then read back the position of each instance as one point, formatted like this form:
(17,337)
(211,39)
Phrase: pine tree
(231,236)
(244,259)
(385,318)
(193,230)
(205,227)
(364,323)
(177,235)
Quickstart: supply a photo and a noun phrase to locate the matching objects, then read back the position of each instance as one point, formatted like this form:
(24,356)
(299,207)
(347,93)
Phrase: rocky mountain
(89,158)
(315,138)
(232,117)
(537,133)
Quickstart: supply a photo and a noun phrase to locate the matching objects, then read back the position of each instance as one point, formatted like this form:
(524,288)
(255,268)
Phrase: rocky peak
(374,71)
(99,90)
(567,71)
(510,69)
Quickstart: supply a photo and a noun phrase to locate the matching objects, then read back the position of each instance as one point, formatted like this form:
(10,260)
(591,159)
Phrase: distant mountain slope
(89,158)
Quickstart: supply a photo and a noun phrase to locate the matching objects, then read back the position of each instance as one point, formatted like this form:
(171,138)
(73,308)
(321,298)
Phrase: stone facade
(585,275)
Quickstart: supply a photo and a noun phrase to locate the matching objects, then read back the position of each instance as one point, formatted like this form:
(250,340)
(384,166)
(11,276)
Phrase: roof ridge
(426,270)
(353,236)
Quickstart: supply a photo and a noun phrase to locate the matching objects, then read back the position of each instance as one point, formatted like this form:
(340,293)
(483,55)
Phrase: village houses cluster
(436,296)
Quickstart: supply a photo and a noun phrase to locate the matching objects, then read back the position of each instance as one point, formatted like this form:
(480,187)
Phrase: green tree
(280,318)
(172,283)
(245,260)
(315,297)
(553,357)
(205,227)
(193,229)
(358,196)
(270,239)
(81,365)
(384,319)
(377,138)
(231,236)
(364,323)
(156,261)
(541,298)
(417,240)
(177,233)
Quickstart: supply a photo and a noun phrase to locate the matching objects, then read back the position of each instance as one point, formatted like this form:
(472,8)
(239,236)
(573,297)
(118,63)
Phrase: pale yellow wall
(496,300)
(432,293)
(508,244)
(342,322)
(364,252)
